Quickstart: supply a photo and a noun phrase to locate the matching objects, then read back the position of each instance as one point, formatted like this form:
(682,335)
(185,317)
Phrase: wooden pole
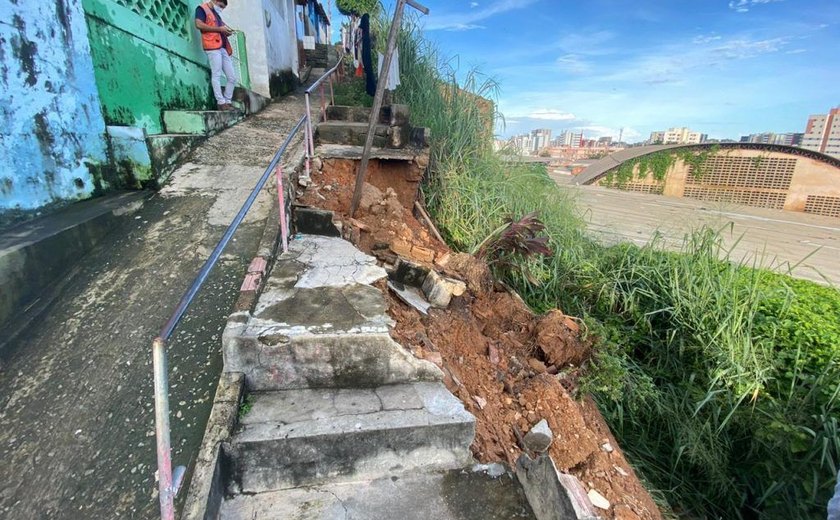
(377,99)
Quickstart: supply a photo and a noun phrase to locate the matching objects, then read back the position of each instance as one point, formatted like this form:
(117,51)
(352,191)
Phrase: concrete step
(352,133)
(319,324)
(391,115)
(302,437)
(451,495)
(200,122)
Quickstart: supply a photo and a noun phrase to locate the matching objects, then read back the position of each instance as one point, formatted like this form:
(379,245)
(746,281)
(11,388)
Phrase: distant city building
(680,135)
(822,134)
(789,139)
(569,139)
(540,139)
(522,144)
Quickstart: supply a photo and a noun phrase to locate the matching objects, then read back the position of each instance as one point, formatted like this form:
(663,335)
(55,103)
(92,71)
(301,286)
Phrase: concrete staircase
(349,126)
(339,412)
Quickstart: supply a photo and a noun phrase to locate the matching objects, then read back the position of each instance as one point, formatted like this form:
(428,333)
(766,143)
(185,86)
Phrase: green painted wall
(147,58)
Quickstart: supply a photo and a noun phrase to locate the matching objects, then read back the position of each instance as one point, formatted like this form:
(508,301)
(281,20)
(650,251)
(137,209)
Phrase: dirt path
(76,401)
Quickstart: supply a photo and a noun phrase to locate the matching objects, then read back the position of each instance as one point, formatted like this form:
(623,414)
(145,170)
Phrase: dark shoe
(225,107)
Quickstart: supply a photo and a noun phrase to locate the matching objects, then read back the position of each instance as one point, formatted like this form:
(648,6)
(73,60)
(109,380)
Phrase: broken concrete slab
(553,495)
(302,437)
(332,262)
(350,152)
(410,296)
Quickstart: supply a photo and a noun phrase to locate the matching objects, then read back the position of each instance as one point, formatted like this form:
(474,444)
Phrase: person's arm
(201,26)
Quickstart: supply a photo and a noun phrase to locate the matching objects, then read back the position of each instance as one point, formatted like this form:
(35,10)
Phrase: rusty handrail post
(167,485)
(310,149)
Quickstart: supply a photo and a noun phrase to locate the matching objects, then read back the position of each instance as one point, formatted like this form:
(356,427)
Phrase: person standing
(214,39)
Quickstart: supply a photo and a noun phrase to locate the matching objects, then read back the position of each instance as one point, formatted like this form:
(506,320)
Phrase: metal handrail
(310,138)
(326,75)
(169,484)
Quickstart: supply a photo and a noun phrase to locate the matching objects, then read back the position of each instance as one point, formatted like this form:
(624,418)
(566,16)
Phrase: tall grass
(720,381)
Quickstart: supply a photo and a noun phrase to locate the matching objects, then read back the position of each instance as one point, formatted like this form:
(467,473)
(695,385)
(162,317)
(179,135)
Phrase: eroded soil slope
(510,367)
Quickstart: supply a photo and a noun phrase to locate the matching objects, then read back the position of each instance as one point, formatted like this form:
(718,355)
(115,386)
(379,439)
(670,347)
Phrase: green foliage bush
(357,7)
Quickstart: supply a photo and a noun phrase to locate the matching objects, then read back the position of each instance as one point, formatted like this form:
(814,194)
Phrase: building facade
(822,133)
(681,135)
(540,139)
(788,139)
(569,139)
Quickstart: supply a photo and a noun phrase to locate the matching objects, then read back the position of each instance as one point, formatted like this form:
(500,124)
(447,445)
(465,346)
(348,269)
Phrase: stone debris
(480,401)
(439,290)
(607,447)
(620,471)
(411,296)
(539,438)
(598,500)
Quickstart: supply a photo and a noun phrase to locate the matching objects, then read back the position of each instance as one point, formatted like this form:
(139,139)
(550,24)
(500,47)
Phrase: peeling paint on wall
(53,134)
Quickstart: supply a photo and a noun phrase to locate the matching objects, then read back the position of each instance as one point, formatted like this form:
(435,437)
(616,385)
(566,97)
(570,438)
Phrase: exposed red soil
(510,367)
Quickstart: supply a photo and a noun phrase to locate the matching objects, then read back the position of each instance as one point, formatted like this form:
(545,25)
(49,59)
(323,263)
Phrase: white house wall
(272,47)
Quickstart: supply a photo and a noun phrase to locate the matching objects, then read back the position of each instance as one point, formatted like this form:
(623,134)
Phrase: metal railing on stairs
(338,71)
(169,481)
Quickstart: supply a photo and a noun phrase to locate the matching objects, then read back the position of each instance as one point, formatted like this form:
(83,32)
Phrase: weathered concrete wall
(52,141)
(272,46)
(147,58)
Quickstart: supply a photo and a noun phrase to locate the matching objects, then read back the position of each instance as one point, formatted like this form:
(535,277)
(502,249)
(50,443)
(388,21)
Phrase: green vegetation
(246,405)
(357,7)
(351,92)
(657,166)
(720,380)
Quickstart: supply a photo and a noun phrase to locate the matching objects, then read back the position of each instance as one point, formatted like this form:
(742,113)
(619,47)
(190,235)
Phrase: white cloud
(742,6)
(702,40)
(546,114)
(463,27)
(573,64)
(473,4)
(463,21)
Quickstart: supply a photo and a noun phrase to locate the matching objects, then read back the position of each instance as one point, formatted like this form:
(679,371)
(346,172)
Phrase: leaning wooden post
(377,99)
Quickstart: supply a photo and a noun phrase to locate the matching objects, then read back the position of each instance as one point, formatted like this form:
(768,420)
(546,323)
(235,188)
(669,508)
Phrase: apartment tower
(822,134)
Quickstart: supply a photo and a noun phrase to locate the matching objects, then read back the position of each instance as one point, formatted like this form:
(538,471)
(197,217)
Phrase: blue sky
(722,67)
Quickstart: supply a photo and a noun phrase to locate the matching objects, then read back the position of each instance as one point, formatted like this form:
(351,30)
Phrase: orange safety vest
(212,41)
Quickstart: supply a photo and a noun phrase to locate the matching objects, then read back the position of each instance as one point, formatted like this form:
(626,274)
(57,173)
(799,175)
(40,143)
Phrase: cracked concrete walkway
(76,401)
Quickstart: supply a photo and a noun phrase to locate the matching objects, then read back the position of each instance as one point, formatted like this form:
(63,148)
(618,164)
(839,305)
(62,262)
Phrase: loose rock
(598,500)
(539,438)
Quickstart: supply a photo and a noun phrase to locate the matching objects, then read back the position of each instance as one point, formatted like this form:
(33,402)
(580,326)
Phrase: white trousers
(220,63)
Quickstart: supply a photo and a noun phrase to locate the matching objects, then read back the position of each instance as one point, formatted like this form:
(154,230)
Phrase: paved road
(76,402)
(809,244)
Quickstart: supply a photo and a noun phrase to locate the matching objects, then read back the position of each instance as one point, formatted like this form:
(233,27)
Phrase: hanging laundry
(393,79)
(367,57)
